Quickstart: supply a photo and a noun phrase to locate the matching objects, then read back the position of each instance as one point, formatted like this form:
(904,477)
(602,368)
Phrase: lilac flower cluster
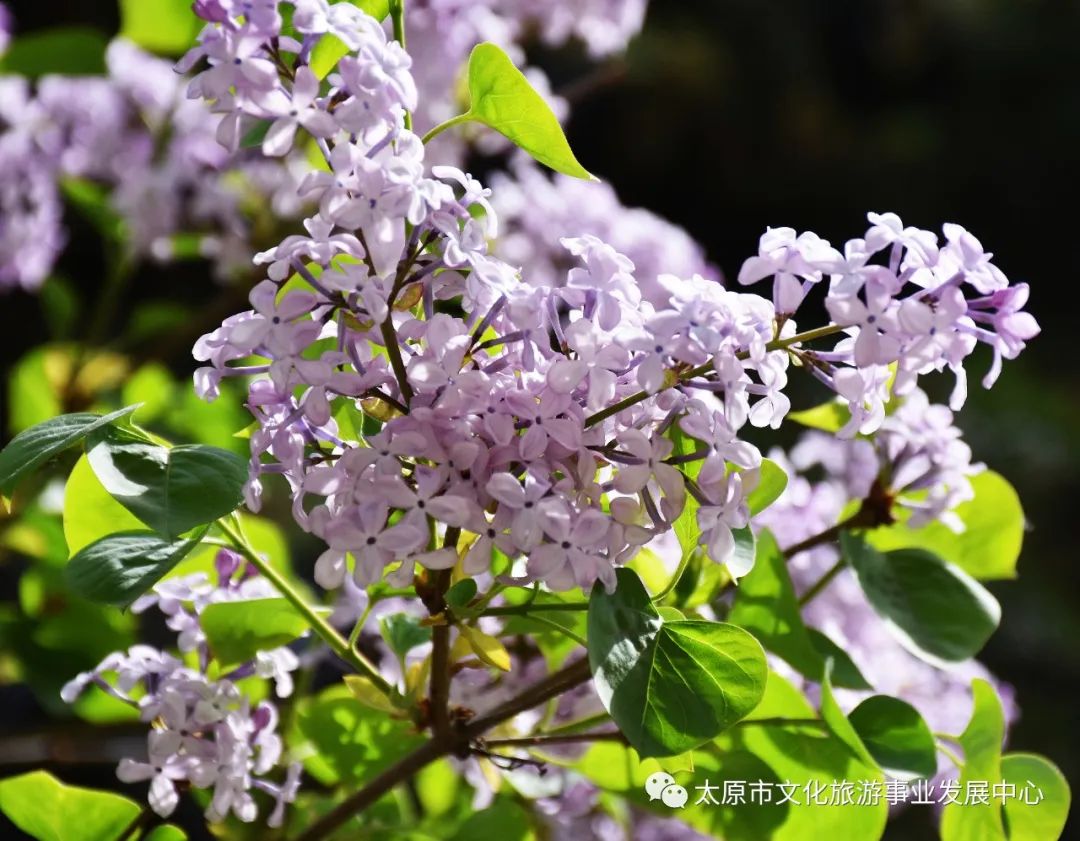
(204,732)
(903,298)
(134,134)
(514,403)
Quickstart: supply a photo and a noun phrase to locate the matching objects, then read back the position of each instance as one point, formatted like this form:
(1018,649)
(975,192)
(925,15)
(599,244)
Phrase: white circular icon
(655,785)
(674,796)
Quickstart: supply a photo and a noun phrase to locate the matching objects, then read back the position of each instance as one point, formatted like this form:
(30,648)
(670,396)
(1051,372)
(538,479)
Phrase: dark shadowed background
(727,116)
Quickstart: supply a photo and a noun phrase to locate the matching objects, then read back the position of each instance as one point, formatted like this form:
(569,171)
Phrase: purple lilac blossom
(204,732)
(502,401)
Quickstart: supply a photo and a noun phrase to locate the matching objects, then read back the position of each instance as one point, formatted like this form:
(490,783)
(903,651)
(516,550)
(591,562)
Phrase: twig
(544,739)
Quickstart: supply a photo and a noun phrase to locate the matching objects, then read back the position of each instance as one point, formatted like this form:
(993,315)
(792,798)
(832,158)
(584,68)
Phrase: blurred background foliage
(726,116)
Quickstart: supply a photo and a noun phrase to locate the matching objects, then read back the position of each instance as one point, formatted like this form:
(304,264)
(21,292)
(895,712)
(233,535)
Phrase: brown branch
(456,742)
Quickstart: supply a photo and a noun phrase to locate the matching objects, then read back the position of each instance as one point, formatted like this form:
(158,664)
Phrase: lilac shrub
(518,422)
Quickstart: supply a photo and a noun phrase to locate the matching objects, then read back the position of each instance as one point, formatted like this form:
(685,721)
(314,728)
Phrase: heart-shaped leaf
(670,686)
(121,567)
(46,809)
(503,99)
(171,490)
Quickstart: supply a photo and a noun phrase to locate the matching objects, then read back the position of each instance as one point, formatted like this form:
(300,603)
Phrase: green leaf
(503,99)
(803,756)
(845,673)
(1044,821)
(171,490)
(46,809)
(31,448)
(828,417)
(350,742)
(121,567)
(331,49)
(981,741)
(936,610)
(161,26)
(505,821)
(69,51)
(237,630)
(770,485)
(896,736)
(90,512)
(403,632)
(166,832)
(461,593)
(839,724)
(989,546)
(670,686)
(765,605)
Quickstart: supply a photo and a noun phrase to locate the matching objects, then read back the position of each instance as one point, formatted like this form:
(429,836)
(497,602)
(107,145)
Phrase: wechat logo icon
(662,786)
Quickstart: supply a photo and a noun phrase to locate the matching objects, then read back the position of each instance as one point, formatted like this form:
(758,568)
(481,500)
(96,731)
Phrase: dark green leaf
(46,809)
(236,631)
(503,821)
(171,490)
(935,609)
(670,686)
(461,593)
(845,673)
(33,447)
(70,51)
(896,736)
(981,741)
(503,99)
(403,632)
(121,567)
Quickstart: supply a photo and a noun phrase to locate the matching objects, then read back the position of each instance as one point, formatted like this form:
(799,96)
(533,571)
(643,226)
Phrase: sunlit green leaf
(46,809)
(765,605)
(1041,806)
(503,99)
(161,26)
(981,741)
(236,630)
(770,485)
